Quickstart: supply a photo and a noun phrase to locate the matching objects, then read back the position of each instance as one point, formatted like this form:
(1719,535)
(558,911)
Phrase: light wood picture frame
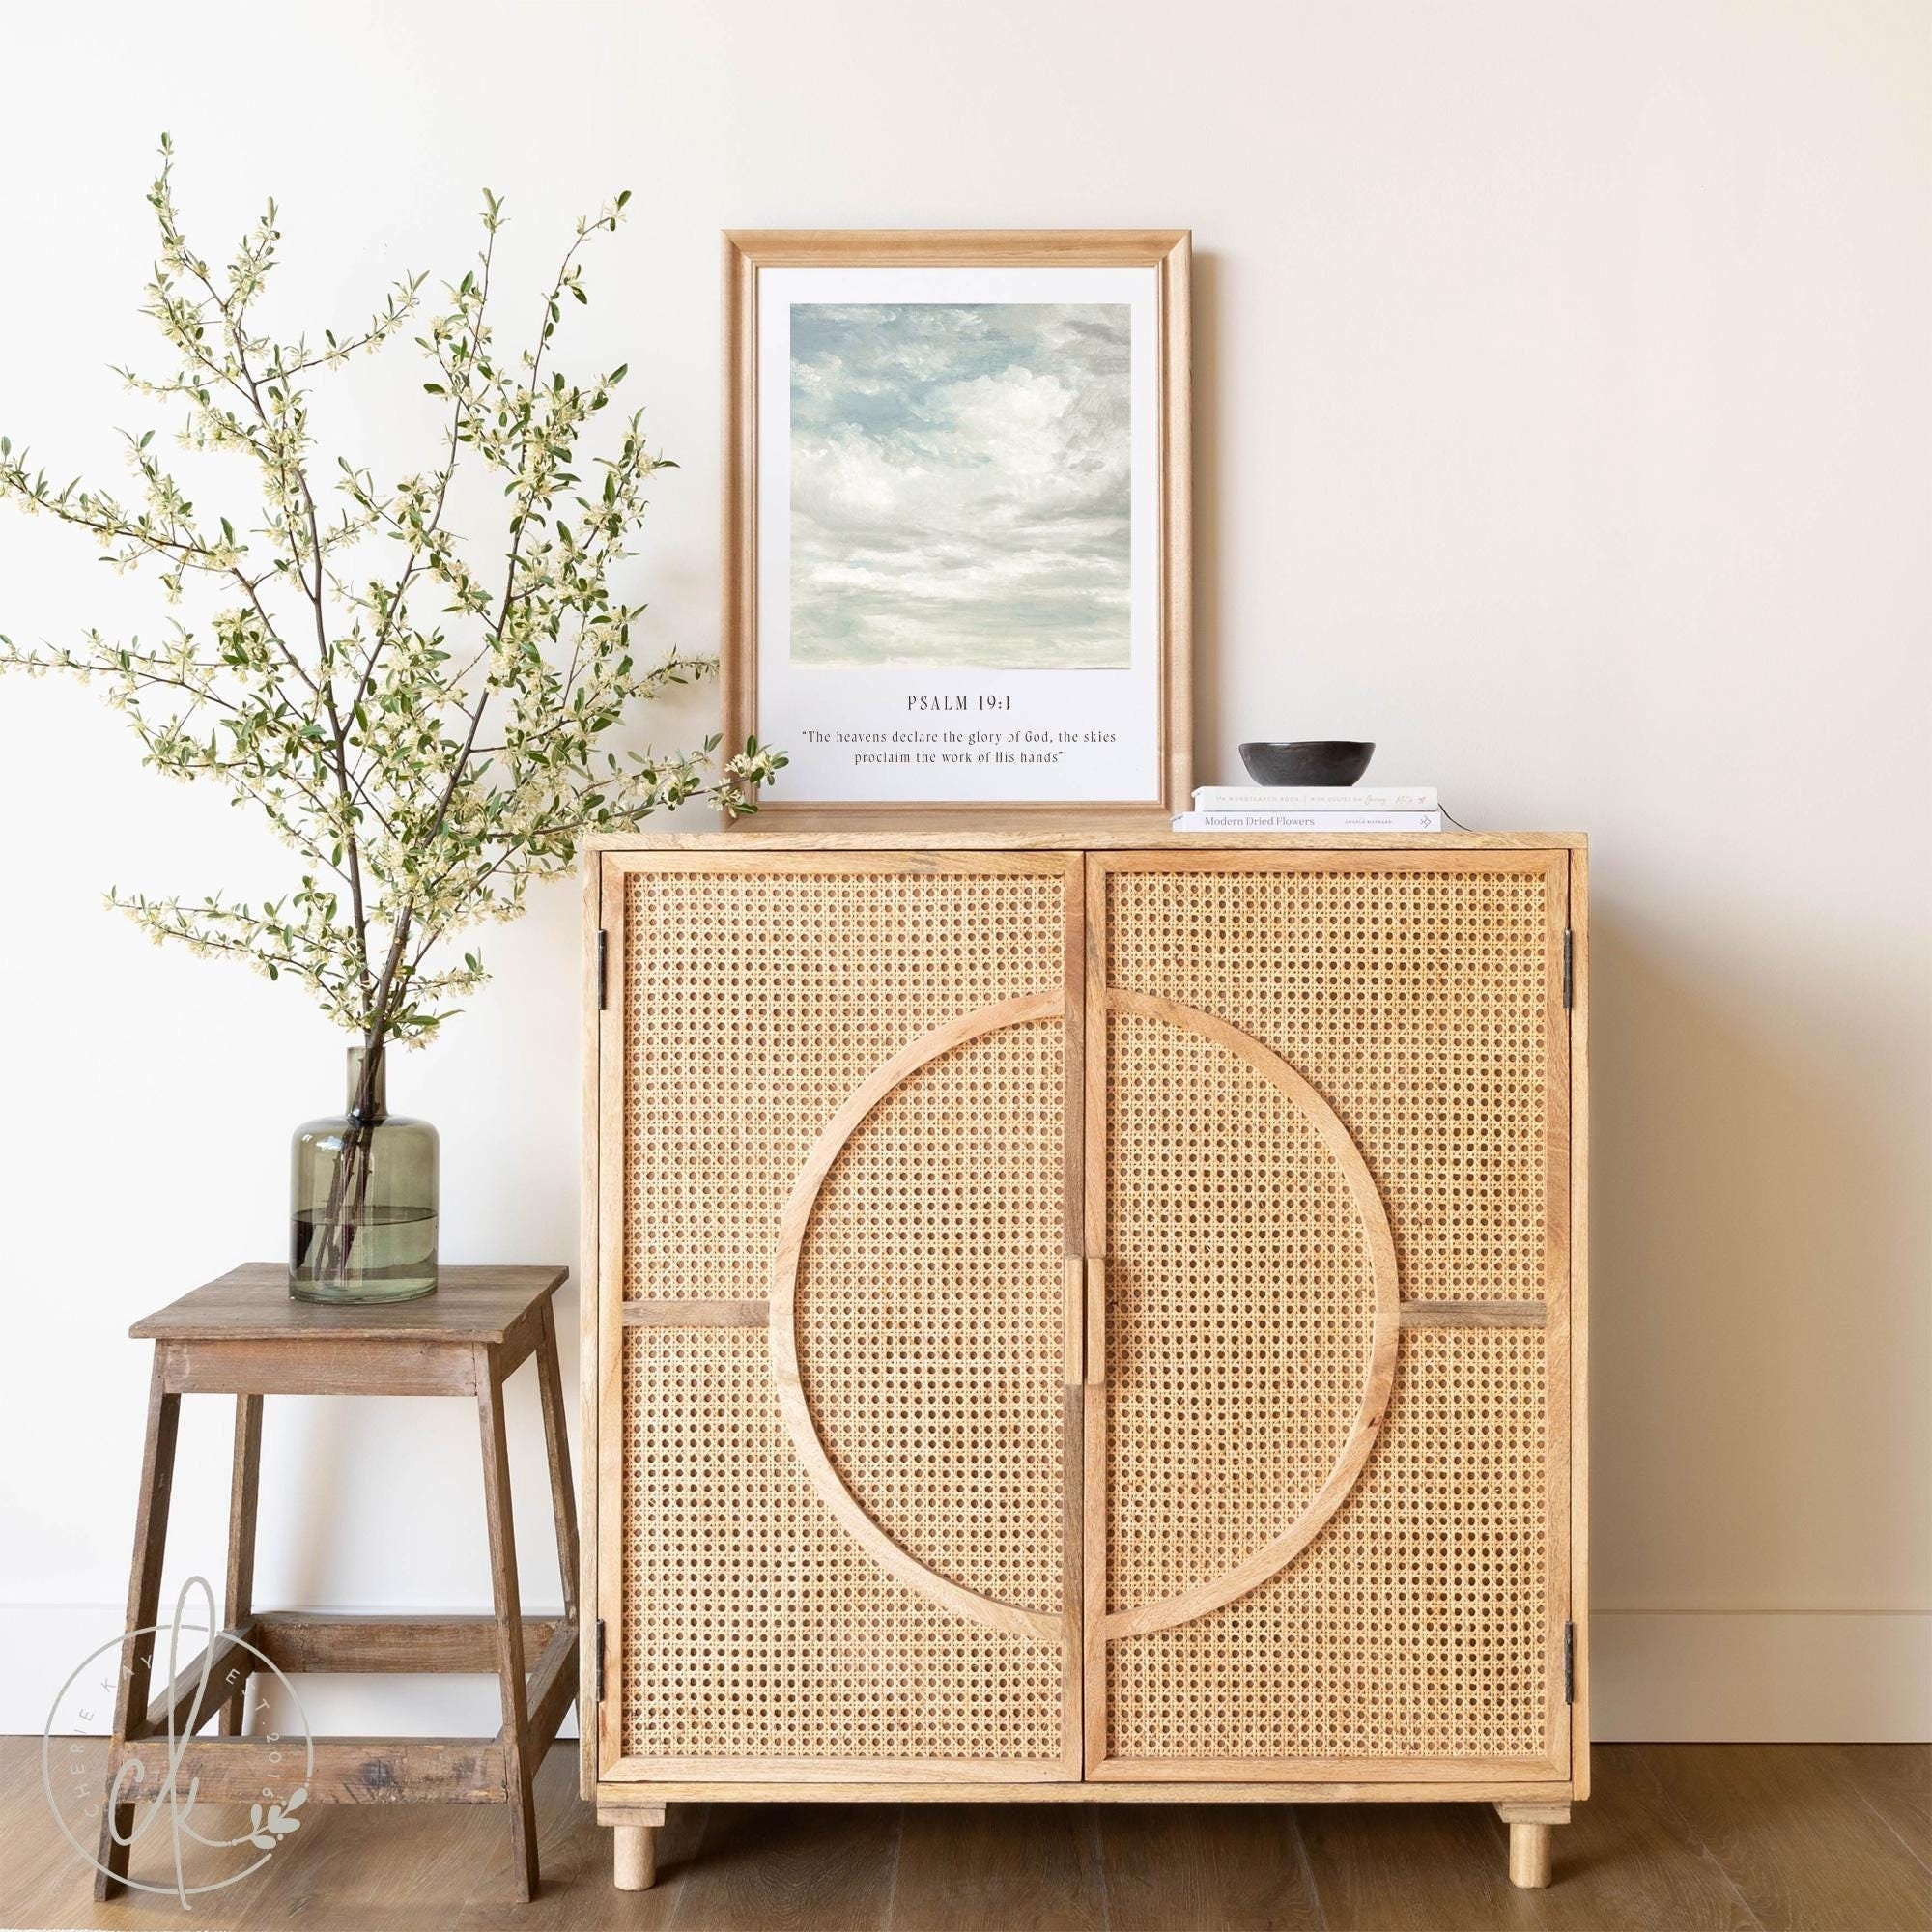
(1001,624)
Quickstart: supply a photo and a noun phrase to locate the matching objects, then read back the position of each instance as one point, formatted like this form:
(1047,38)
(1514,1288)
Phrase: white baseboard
(1664,1676)
(1761,1677)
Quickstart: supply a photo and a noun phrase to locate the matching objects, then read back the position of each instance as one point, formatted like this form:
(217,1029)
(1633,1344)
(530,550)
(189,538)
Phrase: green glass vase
(362,1198)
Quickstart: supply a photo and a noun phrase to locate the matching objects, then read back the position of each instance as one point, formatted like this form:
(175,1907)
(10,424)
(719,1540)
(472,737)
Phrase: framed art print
(956,519)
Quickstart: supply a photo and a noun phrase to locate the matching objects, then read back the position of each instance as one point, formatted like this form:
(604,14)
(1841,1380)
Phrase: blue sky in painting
(960,484)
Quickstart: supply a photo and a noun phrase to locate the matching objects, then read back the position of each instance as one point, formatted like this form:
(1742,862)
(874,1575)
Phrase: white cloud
(959,485)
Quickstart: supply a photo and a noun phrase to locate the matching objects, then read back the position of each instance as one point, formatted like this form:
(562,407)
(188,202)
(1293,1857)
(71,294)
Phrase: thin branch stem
(434,767)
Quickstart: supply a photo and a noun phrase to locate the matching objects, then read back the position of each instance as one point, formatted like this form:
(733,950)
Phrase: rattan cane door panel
(835,1253)
(1239,1338)
(757,997)
(1421,998)
(930,1315)
(1419,1627)
(1415,1626)
(756,1631)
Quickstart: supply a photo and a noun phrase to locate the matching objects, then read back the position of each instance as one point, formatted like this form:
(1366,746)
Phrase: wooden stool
(244,1336)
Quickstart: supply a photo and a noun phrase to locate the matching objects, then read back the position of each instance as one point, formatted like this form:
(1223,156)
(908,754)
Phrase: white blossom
(424,734)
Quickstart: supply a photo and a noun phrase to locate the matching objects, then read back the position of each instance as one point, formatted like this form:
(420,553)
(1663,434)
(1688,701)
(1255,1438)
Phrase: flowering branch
(426,765)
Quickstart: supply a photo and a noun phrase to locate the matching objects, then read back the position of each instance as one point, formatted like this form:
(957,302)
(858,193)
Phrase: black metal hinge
(604,967)
(600,1660)
(1569,1663)
(1569,969)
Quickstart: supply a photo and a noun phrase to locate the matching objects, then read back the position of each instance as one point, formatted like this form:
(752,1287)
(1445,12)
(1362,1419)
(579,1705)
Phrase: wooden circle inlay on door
(1205,1310)
(1013,1166)
(1016,1185)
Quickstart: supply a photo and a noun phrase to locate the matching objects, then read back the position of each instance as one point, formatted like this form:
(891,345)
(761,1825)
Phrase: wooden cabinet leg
(636,1852)
(1529,1855)
(1529,1828)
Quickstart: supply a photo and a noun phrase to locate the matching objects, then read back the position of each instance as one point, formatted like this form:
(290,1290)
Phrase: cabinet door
(1327,1420)
(838,1107)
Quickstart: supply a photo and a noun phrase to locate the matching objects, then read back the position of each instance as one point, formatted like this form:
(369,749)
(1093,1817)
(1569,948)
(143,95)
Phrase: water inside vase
(390,1254)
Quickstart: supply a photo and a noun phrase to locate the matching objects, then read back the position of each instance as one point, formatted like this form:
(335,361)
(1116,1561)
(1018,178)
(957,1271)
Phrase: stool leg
(514,1738)
(563,1508)
(243,1495)
(556,1446)
(144,1603)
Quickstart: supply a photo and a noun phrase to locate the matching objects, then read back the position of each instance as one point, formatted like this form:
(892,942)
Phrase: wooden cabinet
(1085,1318)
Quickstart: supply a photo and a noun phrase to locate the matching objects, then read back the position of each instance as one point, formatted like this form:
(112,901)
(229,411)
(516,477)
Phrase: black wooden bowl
(1307,761)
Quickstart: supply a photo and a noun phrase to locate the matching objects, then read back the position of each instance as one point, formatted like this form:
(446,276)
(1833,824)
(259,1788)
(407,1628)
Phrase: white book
(1308,821)
(1314,798)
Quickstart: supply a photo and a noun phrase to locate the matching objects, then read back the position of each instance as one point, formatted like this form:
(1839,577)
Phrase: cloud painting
(959,485)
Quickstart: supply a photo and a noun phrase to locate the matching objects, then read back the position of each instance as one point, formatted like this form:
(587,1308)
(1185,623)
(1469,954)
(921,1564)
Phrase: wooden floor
(1679,1837)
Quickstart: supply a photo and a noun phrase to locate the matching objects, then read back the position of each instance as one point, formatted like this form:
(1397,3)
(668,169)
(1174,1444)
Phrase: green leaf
(440,826)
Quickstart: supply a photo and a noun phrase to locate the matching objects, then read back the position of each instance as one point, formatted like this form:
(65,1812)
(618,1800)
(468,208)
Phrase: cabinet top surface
(1005,836)
(253,1303)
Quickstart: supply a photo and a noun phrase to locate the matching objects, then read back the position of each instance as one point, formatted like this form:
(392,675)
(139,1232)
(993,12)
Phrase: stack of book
(1312,809)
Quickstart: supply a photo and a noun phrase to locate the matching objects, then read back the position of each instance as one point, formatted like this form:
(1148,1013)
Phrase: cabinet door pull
(1075,1320)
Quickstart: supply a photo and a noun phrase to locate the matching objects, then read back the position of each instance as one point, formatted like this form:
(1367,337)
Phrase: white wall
(1563,416)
